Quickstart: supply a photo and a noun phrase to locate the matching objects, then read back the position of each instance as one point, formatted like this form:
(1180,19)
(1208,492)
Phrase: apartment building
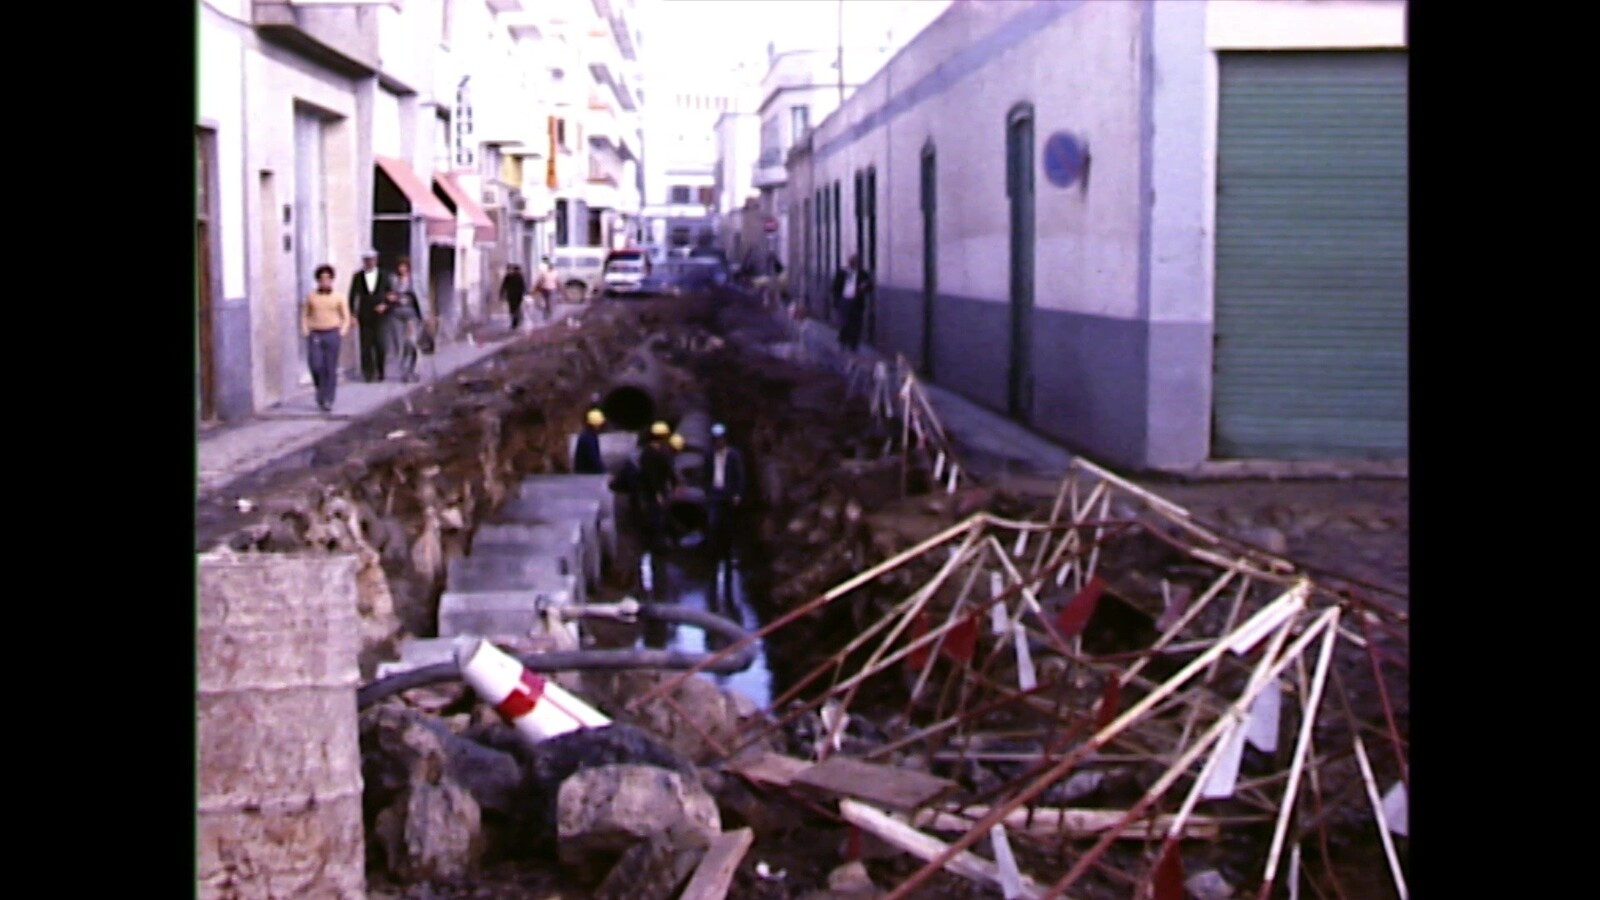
(432,129)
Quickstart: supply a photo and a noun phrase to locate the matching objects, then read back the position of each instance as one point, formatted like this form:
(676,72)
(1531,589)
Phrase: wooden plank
(896,788)
(771,768)
(1071,823)
(715,873)
(966,864)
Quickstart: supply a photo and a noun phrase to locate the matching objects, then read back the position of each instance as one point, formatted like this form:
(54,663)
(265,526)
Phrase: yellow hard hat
(596,418)
(676,441)
(660,429)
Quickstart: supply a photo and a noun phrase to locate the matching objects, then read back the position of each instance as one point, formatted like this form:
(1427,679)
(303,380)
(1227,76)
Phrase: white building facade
(1164,233)
(425,129)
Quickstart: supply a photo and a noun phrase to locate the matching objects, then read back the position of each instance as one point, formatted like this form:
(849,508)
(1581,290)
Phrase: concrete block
(582,486)
(495,614)
(564,540)
(543,509)
(511,573)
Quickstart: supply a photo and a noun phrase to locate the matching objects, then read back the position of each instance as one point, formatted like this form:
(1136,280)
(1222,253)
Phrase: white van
(579,269)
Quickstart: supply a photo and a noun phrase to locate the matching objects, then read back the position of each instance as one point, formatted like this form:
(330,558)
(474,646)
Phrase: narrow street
(406,486)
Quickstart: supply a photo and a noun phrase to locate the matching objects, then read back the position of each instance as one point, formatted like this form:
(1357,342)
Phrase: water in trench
(695,579)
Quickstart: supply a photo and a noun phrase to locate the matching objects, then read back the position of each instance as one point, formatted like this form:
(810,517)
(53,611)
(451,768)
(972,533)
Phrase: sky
(713,35)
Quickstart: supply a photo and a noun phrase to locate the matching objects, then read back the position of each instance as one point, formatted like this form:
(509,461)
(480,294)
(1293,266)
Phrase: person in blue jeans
(324,321)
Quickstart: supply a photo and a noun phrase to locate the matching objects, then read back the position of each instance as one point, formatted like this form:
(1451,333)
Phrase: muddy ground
(419,474)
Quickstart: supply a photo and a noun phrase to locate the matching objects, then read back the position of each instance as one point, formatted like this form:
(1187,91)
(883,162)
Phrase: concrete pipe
(695,426)
(633,398)
(686,511)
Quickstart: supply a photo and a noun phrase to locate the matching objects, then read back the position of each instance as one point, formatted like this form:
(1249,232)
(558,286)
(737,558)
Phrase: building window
(799,121)
(838,236)
(860,215)
(679,194)
(871,258)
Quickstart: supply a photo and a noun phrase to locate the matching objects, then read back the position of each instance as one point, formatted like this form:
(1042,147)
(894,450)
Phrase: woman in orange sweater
(324,319)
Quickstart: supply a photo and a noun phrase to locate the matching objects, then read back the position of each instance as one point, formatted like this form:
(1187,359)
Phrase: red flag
(918,658)
(961,641)
(1074,617)
(1168,876)
(1110,704)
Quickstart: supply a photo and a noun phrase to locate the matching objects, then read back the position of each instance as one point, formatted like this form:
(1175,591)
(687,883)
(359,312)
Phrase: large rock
(401,748)
(602,812)
(433,832)
(650,871)
(699,709)
(549,763)
(428,825)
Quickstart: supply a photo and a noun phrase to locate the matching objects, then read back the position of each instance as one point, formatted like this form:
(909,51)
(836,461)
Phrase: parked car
(677,277)
(581,271)
(625,273)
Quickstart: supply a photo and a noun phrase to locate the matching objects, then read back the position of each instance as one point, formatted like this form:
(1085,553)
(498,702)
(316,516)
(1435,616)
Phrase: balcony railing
(770,157)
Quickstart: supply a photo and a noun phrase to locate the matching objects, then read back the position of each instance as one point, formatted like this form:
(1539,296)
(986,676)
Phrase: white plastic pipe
(538,708)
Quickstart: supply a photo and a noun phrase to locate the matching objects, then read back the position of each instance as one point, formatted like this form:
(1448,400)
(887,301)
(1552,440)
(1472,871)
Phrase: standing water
(698,581)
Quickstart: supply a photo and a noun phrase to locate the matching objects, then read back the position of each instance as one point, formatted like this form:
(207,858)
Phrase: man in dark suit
(369,304)
(512,290)
(852,291)
(725,487)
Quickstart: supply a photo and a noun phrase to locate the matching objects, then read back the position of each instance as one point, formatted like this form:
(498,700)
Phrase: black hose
(591,660)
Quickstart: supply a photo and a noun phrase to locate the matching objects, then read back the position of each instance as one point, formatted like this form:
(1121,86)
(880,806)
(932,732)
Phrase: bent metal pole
(538,708)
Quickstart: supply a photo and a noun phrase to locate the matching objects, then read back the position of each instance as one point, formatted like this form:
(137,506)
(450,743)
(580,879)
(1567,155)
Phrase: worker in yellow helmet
(586,459)
(658,479)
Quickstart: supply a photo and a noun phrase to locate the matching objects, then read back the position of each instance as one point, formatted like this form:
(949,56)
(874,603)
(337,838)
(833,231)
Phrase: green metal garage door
(1311,300)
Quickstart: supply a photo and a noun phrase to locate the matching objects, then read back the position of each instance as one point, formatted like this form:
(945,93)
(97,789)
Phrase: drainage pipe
(633,399)
(593,660)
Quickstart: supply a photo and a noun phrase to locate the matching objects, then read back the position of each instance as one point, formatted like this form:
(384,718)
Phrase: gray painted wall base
(231,324)
(1093,377)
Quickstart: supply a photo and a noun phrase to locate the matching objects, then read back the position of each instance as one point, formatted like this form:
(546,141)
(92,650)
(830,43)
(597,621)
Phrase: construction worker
(725,487)
(586,459)
(658,479)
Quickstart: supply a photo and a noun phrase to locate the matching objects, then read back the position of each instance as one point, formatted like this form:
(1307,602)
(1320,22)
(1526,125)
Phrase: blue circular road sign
(1064,159)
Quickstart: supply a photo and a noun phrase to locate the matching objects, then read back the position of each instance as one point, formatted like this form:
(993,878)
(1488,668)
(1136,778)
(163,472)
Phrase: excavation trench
(824,505)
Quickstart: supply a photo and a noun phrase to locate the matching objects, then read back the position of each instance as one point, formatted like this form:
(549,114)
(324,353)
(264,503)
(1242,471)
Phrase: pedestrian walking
(725,487)
(586,458)
(658,480)
(405,317)
(369,304)
(513,290)
(324,321)
(852,292)
(546,286)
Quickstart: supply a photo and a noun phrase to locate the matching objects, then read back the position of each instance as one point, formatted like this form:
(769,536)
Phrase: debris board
(895,788)
(771,768)
(715,874)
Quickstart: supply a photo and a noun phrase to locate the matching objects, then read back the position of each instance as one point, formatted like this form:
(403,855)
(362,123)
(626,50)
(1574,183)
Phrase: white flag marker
(1261,729)
(1027,679)
(1395,807)
(1010,876)
(1225,774)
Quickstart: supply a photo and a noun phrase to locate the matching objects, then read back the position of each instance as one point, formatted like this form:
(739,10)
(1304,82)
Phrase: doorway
(205,164)
(1019,188)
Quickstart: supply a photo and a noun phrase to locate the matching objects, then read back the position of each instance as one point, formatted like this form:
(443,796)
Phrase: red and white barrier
(536,706)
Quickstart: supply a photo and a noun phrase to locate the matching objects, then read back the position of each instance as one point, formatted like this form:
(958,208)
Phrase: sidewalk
(231,451)
(985,439)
